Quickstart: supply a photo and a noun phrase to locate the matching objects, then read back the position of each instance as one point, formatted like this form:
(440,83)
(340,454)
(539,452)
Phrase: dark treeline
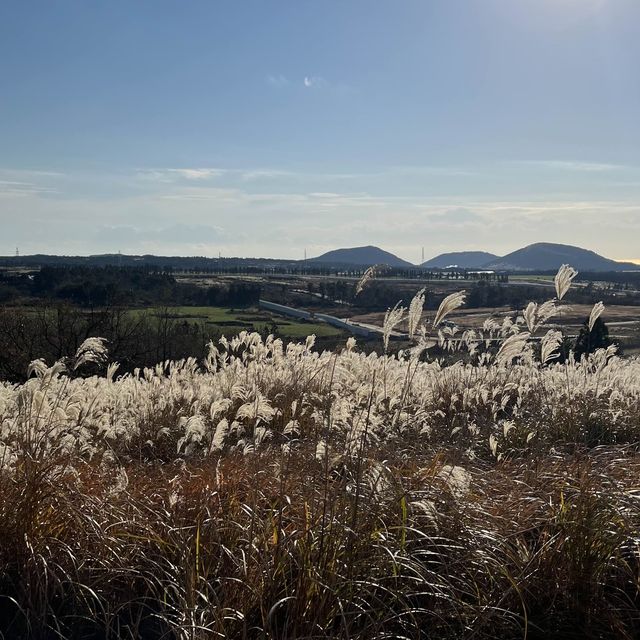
(268,266)
(241,266)
(120,286)
(134,339)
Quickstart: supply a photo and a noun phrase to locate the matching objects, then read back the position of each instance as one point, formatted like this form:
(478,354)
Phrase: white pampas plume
(529,315)
(220,435)
(563,280)
(547,310)
(258,409)
(596,312)
(351,343)
(493,445)
(219,406)
(39,367)
(369,274)
(550,344)
(449,304)
(91,350)
(391,319)
(112,369)
(415,311)
(512,347)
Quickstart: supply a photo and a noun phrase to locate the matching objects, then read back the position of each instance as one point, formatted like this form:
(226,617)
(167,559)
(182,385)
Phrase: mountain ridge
(549,256)
(462,259)
(540,256)
(365,256)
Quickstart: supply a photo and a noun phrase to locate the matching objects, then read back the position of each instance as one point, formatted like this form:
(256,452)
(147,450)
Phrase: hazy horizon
(427,256)
(258,129)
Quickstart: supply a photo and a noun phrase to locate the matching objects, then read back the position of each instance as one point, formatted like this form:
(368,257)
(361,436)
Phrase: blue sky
(267,127)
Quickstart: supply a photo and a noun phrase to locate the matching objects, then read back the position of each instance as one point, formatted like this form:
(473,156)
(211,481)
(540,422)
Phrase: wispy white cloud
(278,80)
(30,173)
(569,165)
(259,174)
(13,188)
(184,173)
(198,174)
(316,82)
(26,182)
(432,170)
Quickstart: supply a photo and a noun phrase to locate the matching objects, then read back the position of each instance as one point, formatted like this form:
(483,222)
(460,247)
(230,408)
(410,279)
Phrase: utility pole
(422,255)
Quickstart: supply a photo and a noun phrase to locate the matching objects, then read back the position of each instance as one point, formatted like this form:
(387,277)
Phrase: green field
(532,278)
(230,321)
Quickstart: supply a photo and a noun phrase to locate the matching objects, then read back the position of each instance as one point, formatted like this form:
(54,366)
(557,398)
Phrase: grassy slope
(300,495)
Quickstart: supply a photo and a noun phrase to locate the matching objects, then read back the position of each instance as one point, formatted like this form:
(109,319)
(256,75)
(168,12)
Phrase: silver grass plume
(449,304)
(415,311)
(39,367)
(112,369)
(563,280)
(596,312)
(547,310)
(529,315)
(220,435)
(550,346)
(535,315)
(91,350)
(369,274)
(391,319)
(513,347)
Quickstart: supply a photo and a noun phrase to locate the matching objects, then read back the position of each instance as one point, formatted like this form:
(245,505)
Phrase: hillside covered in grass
(282,492)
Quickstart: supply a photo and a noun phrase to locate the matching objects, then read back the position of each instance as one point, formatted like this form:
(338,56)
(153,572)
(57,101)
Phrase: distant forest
(121,286)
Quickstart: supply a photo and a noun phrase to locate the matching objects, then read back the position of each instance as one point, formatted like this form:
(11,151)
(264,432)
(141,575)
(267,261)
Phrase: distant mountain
(546,256)
(362,257)
(462,259)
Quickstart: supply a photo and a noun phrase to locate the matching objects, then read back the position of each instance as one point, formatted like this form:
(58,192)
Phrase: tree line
(120,286)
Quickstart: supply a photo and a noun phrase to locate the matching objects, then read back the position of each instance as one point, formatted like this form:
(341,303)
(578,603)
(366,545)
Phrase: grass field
(230,321)
(272,492)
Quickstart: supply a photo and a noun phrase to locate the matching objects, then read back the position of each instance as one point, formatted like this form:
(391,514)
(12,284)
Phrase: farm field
(231,322)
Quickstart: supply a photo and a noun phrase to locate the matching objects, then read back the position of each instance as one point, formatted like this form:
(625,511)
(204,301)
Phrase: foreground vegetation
(278,492)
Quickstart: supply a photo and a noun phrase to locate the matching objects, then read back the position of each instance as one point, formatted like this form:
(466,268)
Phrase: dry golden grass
(284,493)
